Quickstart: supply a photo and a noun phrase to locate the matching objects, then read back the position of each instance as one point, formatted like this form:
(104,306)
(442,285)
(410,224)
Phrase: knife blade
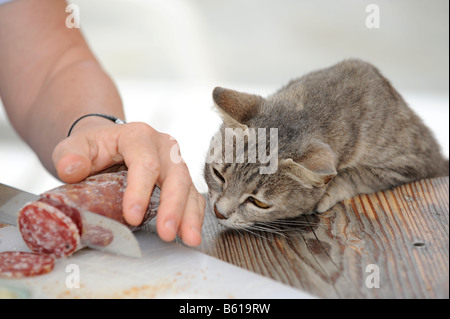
(123,241)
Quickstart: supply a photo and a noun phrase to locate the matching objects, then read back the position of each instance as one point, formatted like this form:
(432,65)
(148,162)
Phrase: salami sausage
(20,264)
(52,225)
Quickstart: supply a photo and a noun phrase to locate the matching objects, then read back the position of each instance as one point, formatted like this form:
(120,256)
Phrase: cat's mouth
(229,222)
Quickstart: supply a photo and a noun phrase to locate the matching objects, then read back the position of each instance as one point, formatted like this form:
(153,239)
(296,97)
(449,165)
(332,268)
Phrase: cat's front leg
(336,192)
(345,185)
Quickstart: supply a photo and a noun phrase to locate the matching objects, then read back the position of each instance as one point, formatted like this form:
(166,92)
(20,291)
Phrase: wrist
(93,120)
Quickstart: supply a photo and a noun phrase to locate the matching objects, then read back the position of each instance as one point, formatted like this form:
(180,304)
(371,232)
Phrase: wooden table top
(390,244)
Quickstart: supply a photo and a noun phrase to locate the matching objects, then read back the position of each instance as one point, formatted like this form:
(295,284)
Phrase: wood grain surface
(401,235)
(397,238)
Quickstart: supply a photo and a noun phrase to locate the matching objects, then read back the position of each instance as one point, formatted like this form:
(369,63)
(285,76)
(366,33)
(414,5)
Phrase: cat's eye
(257,202)
(219,176)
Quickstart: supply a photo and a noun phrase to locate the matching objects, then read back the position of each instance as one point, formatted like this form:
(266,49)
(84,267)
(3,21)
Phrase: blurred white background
(166,56)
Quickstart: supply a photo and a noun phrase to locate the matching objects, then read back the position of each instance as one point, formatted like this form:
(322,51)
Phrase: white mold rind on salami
(52,225)
(101,194)
(45,229)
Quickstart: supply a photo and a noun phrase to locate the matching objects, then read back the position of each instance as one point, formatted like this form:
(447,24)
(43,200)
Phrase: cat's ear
(236,107)
(315,168)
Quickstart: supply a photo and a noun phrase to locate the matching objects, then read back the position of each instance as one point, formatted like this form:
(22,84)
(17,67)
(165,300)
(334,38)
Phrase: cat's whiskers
(254,232)
(265,228)
(239,232)
(296,222)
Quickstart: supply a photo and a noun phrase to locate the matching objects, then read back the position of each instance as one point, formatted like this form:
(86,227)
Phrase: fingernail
(73,168)
(171,226)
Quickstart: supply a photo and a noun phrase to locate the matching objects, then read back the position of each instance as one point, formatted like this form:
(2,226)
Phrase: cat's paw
(326,203)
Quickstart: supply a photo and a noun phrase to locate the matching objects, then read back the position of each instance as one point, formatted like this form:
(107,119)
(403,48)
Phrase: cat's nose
(218,215)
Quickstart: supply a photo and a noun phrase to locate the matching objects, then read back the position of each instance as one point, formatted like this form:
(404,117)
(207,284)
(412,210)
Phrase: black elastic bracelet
(106,116)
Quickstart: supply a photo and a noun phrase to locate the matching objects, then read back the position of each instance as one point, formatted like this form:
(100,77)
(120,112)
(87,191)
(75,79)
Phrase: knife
(123,241)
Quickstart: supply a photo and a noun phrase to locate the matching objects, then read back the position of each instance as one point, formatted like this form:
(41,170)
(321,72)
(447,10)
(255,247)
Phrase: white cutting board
(166,270)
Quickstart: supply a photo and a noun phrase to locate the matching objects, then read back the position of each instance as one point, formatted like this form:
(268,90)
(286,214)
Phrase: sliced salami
(19,264)
(46,229)
(53,225)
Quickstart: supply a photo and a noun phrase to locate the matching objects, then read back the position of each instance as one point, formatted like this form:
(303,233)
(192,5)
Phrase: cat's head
(243,190)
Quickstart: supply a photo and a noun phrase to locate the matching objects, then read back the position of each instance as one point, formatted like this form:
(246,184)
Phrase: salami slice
(53,225)
(46,229)
(19,264)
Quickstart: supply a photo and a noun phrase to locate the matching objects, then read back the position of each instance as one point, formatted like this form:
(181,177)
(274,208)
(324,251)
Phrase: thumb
(71,161)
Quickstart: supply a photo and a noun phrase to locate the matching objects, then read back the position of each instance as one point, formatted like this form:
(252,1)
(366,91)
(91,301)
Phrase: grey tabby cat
(342,131)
